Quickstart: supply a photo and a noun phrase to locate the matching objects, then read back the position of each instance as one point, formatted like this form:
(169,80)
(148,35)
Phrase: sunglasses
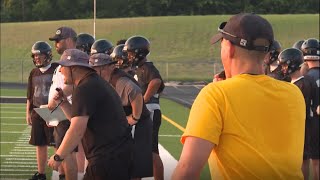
(242,42)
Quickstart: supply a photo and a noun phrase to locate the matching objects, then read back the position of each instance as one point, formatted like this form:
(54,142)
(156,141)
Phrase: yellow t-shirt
(257,124)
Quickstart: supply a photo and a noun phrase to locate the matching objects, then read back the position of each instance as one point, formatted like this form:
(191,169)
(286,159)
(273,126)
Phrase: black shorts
(60,132)
(155,133)
(41,134)
(142,149)
(116,167)
(311,145)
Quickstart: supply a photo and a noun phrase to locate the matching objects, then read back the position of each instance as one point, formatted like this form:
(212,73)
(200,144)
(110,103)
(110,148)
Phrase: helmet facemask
(43,61)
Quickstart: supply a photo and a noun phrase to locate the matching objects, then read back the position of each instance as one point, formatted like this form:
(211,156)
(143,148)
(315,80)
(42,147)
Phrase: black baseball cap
(63,33)
(247,30)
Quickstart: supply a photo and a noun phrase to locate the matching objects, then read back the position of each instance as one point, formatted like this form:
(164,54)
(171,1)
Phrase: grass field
(18,157)
(13,92)
(178,40)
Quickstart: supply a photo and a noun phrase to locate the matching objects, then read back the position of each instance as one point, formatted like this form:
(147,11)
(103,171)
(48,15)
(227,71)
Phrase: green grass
(15,125)
(178,114)
(175,39)
(170,109)
(13,92)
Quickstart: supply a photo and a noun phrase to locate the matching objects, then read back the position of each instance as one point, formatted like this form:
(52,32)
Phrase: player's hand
(131,121)
(28,119)
(219,77)
(53,164)
(58,95)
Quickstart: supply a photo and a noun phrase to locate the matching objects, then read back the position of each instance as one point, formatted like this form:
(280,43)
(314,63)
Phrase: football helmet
(274,52)
(102,46)
(41,47)
(120,56)
(291,60)
(84,42)
(139,46)
(310,49)
(298,44)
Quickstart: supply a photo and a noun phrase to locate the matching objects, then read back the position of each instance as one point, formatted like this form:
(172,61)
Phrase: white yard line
(168,135)
(13,124)
(12,132)
(13,117)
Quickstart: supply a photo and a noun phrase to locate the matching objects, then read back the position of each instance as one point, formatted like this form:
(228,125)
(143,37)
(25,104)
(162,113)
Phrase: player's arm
(71,139)
(28,113)
(195,154)
(136,105)
(152,89)
(59,96)
(73,135)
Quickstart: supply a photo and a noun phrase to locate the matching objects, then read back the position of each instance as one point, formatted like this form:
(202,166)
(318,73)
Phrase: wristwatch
(56,157)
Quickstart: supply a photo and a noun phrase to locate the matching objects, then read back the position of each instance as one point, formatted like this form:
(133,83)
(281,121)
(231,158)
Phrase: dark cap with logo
(63,33)
(246,30)
(100,59)
(74,57)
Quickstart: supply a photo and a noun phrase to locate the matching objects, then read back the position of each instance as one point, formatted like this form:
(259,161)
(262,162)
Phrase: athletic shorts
(156,116)
(116,167)
(60,131)
(311,145)
(142,163)
(41,134)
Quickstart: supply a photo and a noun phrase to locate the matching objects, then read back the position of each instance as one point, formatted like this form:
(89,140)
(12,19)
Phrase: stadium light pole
(94,18)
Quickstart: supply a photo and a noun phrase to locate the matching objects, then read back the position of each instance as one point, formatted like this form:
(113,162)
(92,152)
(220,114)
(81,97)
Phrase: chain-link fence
(18,70)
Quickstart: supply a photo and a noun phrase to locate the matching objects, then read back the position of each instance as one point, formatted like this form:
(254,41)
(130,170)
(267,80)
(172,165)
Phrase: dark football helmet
(298,44)
(290,60)
(310,49)
(41,47)
(138,45)
(274,52)
(84,42)
(102,46)
(120,56)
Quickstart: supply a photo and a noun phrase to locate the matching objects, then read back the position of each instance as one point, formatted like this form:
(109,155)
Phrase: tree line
(42,10)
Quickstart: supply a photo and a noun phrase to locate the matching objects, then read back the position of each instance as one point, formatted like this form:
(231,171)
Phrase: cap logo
(68,57)
(243,42)
(58,32)
(96,60)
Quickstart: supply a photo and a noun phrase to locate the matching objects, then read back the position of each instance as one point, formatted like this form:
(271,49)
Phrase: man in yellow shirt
(249,126)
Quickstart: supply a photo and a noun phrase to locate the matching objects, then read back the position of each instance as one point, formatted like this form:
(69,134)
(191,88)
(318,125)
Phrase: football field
(18,158)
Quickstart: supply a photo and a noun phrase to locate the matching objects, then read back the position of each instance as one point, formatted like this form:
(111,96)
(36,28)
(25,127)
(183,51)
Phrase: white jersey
(57,82)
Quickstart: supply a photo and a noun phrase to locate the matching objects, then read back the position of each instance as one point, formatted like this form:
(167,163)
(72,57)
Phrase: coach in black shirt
(97,117)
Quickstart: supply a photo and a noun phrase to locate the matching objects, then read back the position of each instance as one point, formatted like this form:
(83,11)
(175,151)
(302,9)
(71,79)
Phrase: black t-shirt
(315,74)
(146,73)
(310,94)
(107,128)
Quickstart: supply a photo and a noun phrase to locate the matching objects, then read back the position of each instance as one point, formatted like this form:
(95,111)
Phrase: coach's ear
(230,49)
